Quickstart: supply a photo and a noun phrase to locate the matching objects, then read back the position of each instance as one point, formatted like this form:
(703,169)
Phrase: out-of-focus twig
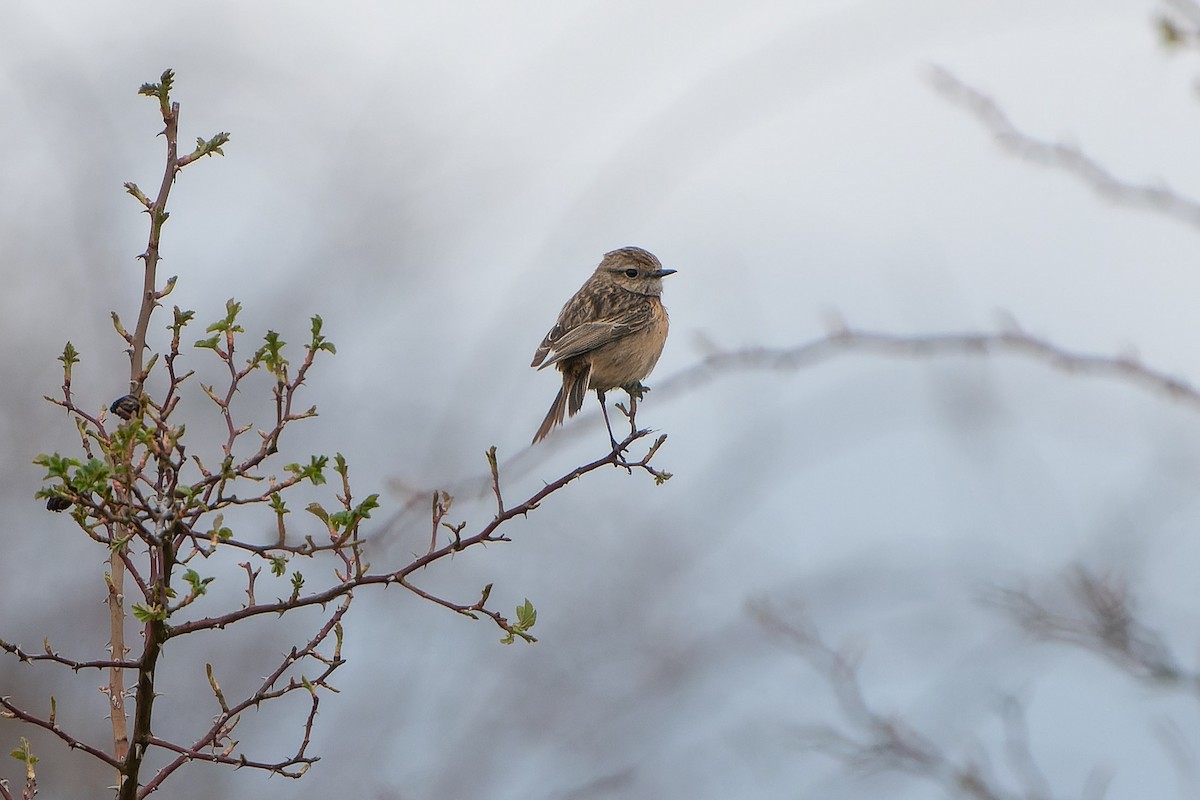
(1012,340)
(870,741)
(1099,615)
(718,363)
(1064,156)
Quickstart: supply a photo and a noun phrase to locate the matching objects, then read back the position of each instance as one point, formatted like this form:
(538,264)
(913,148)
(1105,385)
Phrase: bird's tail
(553,417)
(575,384)
(569,398)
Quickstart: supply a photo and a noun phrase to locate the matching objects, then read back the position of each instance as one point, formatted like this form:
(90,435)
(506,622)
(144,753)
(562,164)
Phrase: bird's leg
(636,391)
(607,424)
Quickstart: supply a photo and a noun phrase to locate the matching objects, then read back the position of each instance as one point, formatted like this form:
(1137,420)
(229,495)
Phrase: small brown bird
(609,335)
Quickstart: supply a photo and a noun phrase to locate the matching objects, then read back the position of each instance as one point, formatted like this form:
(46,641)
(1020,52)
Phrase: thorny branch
(217,745)
(49,723)
(51,656)
(118,559)
(177,519)
(175,535)
(457,542)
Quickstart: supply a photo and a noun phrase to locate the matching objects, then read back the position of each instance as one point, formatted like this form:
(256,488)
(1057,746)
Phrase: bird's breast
(630,358)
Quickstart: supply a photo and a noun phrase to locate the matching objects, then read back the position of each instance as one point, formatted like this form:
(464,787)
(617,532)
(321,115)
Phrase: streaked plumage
(609,335)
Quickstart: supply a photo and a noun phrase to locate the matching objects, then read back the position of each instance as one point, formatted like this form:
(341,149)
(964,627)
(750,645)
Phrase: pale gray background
(435,179)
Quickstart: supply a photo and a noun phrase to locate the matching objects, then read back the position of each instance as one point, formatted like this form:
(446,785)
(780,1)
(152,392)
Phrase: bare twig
(488,533)
(46,723)
(215,744)
(55,658)
(1020,754)
(873,741)
(157,209)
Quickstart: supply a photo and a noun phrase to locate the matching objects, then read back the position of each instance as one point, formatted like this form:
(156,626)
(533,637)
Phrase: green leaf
(182,318)
(76,477)
(212,146)
(199,585)
(24,753)
(318,340)
(343,520)
(364,509)
(69,358)
(313,471)
(57,466)
(526,615)
(229,324)
(271,355)
(218,530)
(526,619)
(160,90)
(153,613)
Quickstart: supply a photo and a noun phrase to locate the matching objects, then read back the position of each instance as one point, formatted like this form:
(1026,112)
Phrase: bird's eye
(631,272)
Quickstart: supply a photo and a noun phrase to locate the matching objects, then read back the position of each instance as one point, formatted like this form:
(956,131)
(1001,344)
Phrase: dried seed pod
(57,503)
(125,407)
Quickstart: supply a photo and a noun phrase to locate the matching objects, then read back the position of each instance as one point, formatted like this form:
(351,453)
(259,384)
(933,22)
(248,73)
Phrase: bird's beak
(662,273)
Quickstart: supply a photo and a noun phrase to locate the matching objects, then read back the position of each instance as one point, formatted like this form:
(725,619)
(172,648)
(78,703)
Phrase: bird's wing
(592,335)
(546,346)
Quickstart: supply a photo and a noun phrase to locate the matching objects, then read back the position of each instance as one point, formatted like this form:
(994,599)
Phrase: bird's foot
(636,390)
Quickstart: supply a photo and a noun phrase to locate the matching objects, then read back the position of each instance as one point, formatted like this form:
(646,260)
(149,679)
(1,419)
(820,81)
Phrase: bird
(608,335)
